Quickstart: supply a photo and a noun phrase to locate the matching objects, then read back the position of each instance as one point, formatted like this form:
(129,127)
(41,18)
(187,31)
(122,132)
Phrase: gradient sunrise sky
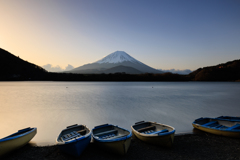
(164,34)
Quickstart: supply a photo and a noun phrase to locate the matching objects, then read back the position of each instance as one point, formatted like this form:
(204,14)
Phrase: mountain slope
(117,69)
(13,67)
(118,58)
(229,71)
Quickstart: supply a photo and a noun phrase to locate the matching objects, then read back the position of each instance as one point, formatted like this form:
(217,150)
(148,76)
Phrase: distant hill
(14,68)
(229,71)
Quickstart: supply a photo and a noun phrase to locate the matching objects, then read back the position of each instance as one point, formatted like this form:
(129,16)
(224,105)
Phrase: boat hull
(154,133)
(112,138)
(75,148)
(117,147)
(78,138)
(217,132)
(223,126)
(16,142)
(164,141)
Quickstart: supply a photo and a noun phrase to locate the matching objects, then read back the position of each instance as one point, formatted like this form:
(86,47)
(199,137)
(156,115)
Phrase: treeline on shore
(116,77)
(50,76)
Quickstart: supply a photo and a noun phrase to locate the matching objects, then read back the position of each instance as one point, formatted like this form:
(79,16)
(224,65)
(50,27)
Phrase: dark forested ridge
(14,68)
(229,71)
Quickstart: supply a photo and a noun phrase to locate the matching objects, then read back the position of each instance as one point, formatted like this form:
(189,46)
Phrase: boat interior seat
(148,132)
(236,126)
(83,131)
(151,130)
(161,131)
(118,136)
(71,135)
(218,126)
(147,129)
(107,134)
(211,124)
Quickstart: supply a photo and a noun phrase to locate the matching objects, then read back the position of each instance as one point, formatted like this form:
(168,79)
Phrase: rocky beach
(187,146)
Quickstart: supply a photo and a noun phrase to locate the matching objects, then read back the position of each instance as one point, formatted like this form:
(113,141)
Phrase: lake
(51,106)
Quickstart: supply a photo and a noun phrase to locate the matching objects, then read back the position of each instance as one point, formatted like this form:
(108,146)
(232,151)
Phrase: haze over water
(51,106)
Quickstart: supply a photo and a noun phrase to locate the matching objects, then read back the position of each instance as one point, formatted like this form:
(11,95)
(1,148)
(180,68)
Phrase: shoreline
(187,146)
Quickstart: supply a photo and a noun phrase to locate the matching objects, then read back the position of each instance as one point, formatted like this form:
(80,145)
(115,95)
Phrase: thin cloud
(51,68)
(186,71)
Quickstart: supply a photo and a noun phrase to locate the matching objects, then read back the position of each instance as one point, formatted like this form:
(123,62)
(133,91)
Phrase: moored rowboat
(74,139)
(154,133)
(218,126)
(16,140)
(112,138)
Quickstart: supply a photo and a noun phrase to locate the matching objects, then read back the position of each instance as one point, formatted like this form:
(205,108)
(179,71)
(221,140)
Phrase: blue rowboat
(154,133)
(112,138)
(218,126)
(16,140)
(74,139)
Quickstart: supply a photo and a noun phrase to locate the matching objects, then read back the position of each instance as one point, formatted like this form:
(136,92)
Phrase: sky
(164,34)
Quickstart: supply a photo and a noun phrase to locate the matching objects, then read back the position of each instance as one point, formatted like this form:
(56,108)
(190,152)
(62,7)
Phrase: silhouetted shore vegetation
(229,71)
(114,77)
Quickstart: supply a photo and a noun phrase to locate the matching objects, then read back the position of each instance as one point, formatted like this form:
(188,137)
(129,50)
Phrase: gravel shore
(190,146)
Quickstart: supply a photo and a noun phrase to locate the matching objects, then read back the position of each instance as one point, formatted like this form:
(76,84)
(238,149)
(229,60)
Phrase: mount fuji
(118,61)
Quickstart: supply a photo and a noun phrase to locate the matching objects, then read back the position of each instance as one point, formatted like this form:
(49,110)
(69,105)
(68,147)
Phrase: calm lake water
(51,106)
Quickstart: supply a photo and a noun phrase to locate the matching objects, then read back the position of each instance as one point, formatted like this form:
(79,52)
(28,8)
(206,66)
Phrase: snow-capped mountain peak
(117,57)
(118,61)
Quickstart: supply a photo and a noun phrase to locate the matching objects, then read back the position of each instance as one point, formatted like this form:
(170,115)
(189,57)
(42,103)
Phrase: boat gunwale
(11,137)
